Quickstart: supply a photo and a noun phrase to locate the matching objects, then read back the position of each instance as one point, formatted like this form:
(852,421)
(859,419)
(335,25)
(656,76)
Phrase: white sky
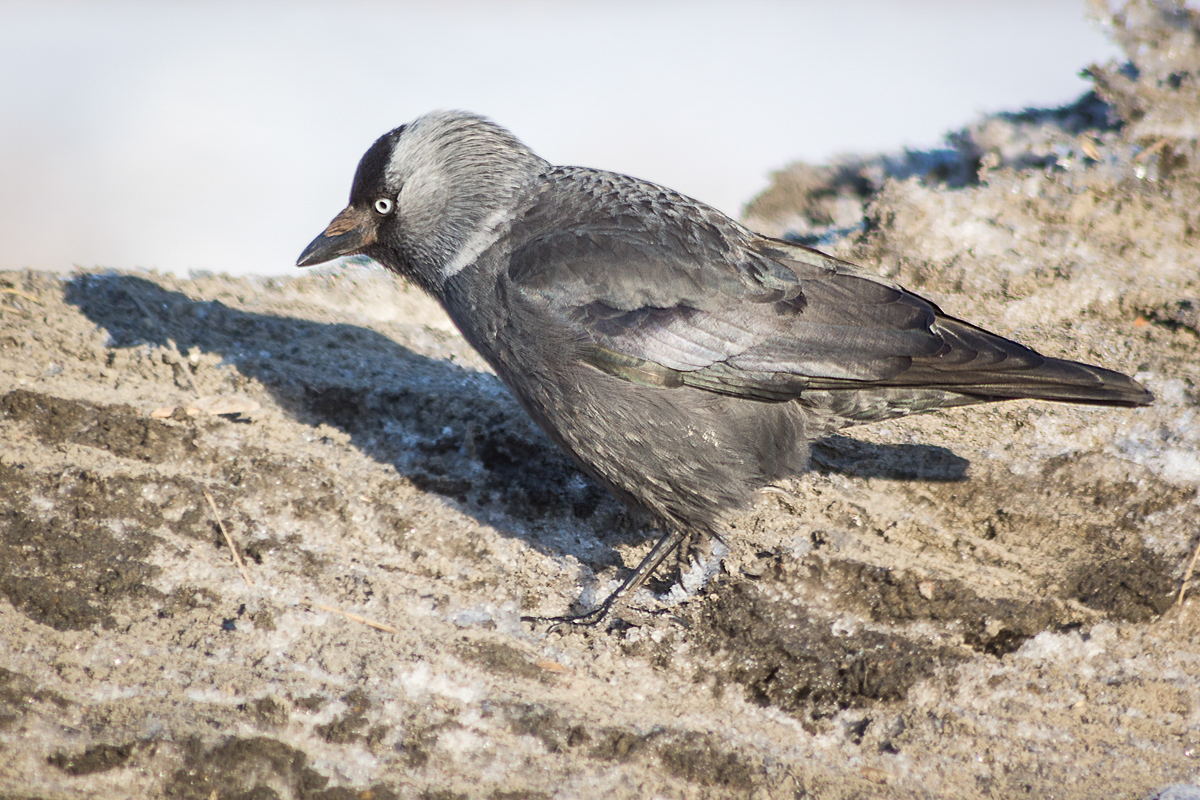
(224,135)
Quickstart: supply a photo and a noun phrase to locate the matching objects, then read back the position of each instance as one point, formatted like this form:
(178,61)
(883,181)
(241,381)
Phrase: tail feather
(982,364)
(976,366)
(1062,381)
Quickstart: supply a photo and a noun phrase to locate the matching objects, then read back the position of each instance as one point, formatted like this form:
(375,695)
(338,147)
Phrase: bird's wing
(765,322)
(704,303)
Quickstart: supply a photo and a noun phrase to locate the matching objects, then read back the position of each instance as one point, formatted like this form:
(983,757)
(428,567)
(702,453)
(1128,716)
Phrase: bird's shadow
(845,455)
(449,430)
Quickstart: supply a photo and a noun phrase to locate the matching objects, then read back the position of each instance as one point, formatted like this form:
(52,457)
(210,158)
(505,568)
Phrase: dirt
(974,603)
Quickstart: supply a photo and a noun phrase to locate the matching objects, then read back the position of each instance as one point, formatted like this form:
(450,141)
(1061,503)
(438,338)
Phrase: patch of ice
(1168,444)
(1181,465)
(844,626)
(697,575)
(107,692)
(1069,649)
(214,696)
(352,765)
(1178,791)
(474,615)
(421,680)
(1171,392)
(461,741)
(800,546)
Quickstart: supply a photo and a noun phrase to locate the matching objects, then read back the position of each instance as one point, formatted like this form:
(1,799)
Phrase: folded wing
(685,303)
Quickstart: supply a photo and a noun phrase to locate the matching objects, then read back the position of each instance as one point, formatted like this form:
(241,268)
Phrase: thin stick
(1151,150)
(383,626)
(228,540)
(1187,574)
(19,293)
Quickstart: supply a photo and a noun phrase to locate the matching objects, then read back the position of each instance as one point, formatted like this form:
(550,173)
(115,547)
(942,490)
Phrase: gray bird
(683,360)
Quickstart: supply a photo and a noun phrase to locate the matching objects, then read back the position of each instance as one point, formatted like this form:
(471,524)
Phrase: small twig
(228,540)
(1151,150)
(383,626)
(1187,574)
(22,295)
(19,293)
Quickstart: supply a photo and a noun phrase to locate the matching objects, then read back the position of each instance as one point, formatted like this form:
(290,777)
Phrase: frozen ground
(977,603)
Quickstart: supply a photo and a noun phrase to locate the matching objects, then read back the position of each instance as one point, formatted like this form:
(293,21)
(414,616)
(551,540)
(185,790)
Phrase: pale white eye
(383,206)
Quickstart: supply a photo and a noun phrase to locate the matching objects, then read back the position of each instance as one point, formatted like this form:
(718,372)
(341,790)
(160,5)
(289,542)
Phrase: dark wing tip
(1060,381)
(1124,390)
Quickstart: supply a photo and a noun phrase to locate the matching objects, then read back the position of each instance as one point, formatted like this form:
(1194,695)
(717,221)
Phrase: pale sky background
(223,136)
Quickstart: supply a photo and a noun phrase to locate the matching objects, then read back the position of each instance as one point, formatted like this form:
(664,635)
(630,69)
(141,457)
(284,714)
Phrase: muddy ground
(975,603)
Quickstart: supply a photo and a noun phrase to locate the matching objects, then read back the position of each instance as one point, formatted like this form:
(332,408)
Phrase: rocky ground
(976,603)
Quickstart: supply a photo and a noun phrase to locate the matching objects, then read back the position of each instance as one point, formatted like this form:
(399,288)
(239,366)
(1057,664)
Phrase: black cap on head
(371,175)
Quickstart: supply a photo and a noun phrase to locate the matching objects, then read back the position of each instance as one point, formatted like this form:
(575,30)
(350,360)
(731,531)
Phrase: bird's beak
(352,231)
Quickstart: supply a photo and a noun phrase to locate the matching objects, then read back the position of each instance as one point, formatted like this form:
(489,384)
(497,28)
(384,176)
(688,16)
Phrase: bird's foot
(610,614)
(588,619)
(604,612)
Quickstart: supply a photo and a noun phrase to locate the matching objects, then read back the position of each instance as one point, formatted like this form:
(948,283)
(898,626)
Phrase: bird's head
(429,196)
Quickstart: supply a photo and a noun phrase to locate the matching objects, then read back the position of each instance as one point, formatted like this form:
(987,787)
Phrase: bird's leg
(662,548)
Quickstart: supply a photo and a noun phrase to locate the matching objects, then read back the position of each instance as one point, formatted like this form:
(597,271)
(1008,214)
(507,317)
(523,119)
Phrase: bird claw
(588,619)
(604,613)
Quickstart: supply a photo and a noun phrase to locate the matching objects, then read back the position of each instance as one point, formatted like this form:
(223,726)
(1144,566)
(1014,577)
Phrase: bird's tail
(1001,369)
(1062,381)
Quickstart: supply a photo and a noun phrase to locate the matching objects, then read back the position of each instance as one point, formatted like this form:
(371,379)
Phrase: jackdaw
(681,359)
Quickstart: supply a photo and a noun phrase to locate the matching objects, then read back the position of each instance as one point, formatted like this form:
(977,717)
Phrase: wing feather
(683,296)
